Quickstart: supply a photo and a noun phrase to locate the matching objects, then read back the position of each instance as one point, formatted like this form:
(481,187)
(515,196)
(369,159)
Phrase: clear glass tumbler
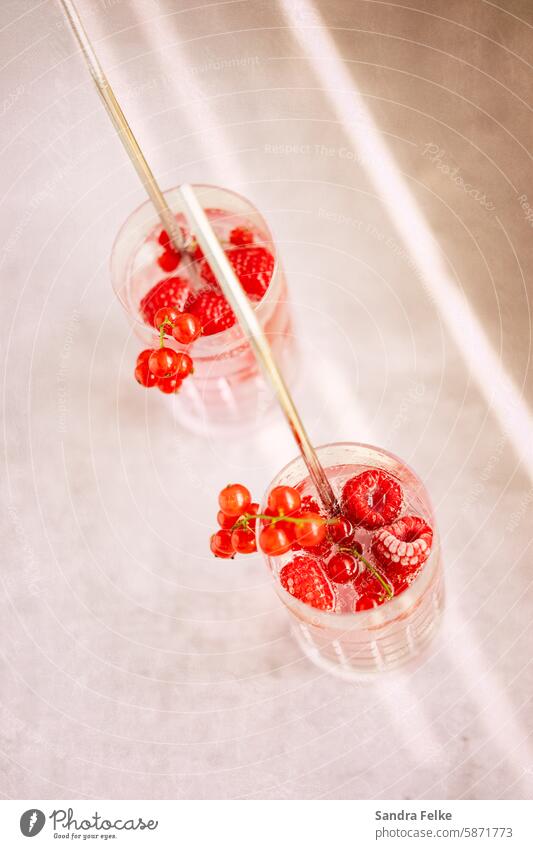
(226,391)
(359,645)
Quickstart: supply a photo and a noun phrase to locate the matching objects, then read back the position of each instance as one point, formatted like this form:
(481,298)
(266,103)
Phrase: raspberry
(241,236)
(304,579)
(401,548)
(253,266)
(169,259)
(213,312)
(372,499)
(170,292)
(164,239)
(309,505)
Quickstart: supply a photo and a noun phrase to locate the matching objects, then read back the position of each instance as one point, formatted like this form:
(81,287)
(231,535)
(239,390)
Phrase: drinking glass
(226,391)
(360,645)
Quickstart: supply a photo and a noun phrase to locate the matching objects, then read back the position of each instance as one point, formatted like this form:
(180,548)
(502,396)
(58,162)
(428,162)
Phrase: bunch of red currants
(164,367)
(289,522)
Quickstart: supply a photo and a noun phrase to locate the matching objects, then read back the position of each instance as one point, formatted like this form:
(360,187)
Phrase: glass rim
(388,611)
(232,335)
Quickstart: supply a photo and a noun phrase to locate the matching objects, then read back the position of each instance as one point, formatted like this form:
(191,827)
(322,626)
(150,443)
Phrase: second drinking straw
(235,295)
(122,127)
(213,252)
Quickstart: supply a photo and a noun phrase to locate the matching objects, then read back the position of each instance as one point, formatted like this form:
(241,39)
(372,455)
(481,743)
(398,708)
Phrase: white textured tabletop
(389,148)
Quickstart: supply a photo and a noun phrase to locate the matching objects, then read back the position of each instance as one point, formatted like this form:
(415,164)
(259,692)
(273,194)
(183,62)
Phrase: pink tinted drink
(226,391)
(365,631)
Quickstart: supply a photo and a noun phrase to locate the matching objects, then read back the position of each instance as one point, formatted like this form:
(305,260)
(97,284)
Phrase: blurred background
(388,146)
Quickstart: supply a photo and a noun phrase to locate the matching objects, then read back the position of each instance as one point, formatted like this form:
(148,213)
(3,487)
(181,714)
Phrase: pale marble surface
(134,665)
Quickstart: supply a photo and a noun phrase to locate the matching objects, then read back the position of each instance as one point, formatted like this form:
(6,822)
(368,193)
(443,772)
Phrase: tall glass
(226,391)
(360,645)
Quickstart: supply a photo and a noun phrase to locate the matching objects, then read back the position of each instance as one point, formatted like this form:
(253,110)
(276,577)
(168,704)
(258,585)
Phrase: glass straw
(122,127)
(213,252)
(238,300)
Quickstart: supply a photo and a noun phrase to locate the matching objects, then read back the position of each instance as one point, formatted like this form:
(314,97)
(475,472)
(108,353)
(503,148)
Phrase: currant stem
(243,520)
(162,331)
(372,569)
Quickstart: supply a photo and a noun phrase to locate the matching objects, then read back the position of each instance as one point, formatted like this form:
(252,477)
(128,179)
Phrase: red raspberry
(372,499)
(164,239)
(213,312)
(309,505)
(171,292)
(253,266)
(169,259)
(241,236)
(304,578)
(402,548)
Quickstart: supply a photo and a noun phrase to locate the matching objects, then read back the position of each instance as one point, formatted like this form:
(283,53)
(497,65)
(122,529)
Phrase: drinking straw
(213,252)
(238,300)
(124,131)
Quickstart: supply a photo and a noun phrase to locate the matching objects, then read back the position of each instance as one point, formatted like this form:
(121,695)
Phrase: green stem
(297,520)
(162,331)
(372,569)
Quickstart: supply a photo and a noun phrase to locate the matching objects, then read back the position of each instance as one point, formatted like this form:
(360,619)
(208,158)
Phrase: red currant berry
(221,544)
(243,541)
(144,376)
(341,568)
(284,499)
(169,260)
(186,328)
(274,541)
(166,316)
(164,362)
(268,516)
(312,531)
(234,499)
(241,236)
(253,508)
(185,366)
(341,531)
(168,385)
(289,528)
(225,522)
(144,356)
(367,602)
